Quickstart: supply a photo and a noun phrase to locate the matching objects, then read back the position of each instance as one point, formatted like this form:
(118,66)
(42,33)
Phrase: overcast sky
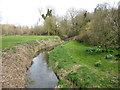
(25,12)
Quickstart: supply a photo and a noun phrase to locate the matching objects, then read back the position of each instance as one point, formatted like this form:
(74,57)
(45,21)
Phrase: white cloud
(25,12)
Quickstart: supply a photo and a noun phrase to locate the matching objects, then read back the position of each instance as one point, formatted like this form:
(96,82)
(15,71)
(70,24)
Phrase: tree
(48,14)
(65,27)
(50,25)
(72,12)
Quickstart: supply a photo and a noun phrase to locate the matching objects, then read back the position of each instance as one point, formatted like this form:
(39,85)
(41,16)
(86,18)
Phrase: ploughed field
(82,66)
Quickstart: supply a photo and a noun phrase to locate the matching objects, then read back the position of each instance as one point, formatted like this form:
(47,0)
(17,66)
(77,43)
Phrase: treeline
(8,29)
(100,27)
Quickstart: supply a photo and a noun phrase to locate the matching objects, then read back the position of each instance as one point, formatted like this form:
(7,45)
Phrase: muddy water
(39,75)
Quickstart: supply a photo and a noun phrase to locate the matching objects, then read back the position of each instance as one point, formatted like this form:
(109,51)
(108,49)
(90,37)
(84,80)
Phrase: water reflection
(40,76)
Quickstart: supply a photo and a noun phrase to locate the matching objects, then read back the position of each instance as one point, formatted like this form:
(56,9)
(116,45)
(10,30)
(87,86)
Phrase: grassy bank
(17,59)
(78,66)
(9,41)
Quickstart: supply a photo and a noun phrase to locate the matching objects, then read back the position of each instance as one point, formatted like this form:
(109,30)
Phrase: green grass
(9,41)
(87,75)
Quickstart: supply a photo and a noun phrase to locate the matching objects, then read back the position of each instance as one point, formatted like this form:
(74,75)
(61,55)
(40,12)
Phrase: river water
(39,75)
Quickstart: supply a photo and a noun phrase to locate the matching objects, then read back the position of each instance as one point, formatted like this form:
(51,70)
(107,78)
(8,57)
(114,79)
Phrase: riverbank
(17,60)
(79,65)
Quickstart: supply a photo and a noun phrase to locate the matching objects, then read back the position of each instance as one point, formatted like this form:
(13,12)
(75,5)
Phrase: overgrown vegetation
(80,69)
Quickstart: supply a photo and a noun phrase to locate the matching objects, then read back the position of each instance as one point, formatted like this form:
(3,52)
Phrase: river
(39,74)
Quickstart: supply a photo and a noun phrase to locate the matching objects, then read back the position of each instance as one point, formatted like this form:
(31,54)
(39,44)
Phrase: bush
(110,56)
(94,51)
(97,64)
(63,36)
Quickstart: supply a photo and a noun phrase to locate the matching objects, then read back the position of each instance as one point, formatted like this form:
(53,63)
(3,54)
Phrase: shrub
(110,56)
(94,51)
(97,64)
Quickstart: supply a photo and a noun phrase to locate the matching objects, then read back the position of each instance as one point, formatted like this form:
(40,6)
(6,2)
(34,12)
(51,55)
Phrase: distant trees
(37,30)
(72,24)
(65,27)
(72,12)
(50,25)
(100,27)
(7,29)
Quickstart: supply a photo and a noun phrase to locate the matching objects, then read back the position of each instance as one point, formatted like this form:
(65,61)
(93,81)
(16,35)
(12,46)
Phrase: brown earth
(17,60)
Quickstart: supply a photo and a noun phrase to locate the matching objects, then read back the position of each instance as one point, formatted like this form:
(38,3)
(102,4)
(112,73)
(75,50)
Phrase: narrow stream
(39,75)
